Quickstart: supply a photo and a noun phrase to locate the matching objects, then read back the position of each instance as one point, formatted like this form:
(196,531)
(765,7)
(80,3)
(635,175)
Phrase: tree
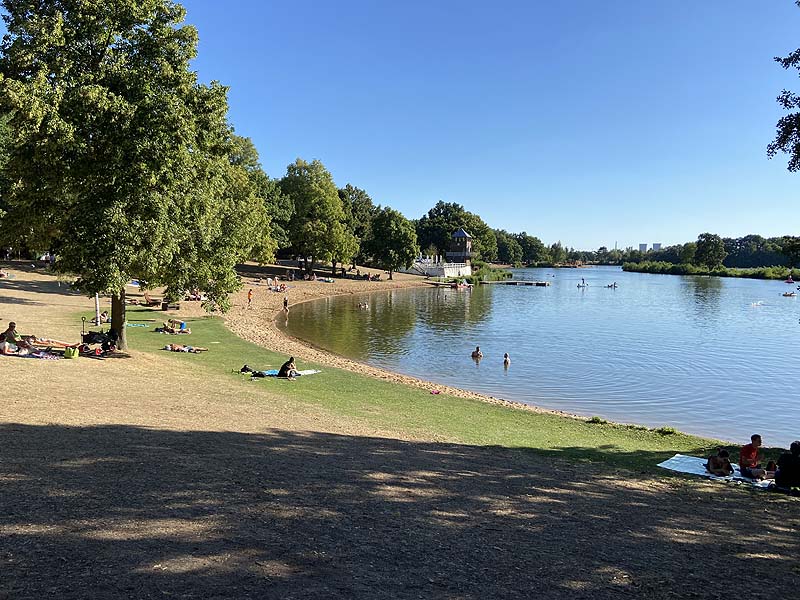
(710,250)
(359,212)
(277,207)
(508,249)
(317,225)
(787,136)
(437,227)
(557,253)
(791,249)
(120,159)
(393,242)
(533,250)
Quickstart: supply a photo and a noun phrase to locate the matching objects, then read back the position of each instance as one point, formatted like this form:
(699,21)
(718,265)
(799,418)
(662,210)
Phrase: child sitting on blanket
(720,464)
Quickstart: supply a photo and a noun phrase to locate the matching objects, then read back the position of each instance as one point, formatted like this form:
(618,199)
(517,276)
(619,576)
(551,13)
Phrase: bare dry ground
(126,479)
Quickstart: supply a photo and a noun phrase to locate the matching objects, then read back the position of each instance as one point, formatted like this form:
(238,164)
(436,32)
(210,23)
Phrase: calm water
(705,355)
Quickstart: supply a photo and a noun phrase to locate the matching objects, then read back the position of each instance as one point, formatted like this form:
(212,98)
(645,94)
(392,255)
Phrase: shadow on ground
(120,511)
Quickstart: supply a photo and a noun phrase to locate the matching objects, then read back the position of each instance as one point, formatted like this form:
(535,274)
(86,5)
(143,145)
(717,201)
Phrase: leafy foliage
(120,159)
(393,241)
(359,211)
(787,135)
(317,230)
(438,225)
(710,250)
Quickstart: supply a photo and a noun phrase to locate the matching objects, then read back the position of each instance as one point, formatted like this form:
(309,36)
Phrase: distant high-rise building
(656,246)
(642,247)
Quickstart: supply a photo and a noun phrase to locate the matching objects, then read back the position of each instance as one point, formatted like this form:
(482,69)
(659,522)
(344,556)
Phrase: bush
(666,268)
(666,430)
(595,420)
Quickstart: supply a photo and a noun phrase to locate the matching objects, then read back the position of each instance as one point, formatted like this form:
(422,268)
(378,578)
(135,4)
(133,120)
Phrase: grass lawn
(402,408)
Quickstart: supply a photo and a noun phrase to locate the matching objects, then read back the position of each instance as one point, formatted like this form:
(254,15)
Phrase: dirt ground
(125,479)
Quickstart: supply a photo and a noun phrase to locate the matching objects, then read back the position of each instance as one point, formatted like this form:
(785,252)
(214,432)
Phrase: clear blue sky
(587,122)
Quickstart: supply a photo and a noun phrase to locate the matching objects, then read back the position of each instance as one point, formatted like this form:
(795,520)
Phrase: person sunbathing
(182,348)
(719,463)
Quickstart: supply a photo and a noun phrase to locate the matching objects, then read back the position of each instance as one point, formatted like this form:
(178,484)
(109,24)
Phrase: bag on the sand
(70,353)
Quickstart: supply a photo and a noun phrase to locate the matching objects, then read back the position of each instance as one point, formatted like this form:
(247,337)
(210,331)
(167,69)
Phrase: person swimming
(477,352)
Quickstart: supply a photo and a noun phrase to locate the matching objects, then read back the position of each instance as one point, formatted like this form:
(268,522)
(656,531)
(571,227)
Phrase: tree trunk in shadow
(118,318)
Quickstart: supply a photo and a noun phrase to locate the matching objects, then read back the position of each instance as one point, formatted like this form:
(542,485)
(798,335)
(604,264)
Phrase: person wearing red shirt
(748,459)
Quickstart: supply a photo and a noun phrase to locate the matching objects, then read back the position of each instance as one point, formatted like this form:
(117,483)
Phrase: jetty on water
(512,282)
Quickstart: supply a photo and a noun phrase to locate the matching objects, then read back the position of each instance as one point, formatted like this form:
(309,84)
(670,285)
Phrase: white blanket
(697,466)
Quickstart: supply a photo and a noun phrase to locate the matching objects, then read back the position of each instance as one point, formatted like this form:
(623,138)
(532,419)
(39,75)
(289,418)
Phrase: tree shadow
(46,286)
(121,511)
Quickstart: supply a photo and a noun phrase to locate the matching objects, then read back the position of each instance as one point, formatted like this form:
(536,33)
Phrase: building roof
(461,233)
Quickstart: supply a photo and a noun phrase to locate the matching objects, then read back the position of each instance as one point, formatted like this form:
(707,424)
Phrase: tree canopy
(119,159)
(787,135)
(393,241)
(710,250)
(317,230)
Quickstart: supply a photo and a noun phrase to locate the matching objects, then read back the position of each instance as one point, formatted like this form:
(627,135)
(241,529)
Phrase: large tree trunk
(118,318)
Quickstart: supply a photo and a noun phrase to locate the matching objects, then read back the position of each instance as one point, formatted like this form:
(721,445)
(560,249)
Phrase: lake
(706,355)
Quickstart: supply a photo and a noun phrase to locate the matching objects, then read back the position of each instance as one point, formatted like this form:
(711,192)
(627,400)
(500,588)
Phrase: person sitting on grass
(175,326)
(748,459)
(182,348)
(10,337)
(788,474)
(719,463)
(288,369)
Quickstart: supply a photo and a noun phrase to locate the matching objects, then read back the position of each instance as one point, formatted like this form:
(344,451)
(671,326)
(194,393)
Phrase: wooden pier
(513,282)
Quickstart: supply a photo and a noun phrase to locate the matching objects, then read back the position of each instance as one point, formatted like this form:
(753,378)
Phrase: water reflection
(703,294)
(449,309)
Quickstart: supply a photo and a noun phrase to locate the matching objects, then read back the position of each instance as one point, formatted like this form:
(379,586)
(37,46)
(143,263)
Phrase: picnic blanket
(41,354)
(695,465)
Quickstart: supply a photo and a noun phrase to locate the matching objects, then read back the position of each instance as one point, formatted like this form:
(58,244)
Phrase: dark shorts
(748,471)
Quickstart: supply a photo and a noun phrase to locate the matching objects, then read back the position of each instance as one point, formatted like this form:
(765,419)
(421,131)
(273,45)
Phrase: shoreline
(259,326)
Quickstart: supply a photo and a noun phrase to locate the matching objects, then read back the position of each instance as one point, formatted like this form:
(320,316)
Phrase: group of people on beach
(785,471)
(477,355)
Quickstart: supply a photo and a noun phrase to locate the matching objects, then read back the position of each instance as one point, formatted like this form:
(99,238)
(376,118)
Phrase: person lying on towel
(182,348)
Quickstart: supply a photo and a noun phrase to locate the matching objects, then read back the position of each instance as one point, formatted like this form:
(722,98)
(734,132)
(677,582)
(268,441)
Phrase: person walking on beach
(250,298)
(286,304)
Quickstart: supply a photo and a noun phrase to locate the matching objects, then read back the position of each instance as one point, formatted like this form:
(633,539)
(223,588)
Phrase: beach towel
(695,465)
(274,373)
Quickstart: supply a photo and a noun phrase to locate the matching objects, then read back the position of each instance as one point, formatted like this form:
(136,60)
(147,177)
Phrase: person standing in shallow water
(477,353)
(506,360)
